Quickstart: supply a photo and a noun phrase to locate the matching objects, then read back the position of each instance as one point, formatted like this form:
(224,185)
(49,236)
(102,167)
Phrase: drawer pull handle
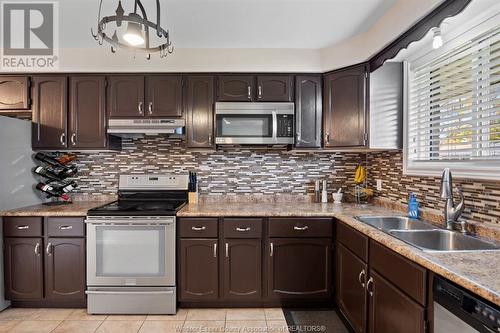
(198,228)
(66,227)
(369,285)
(243,229)
(272,249)
(37,249)
(301,228)
(48,249)
(362,278)
(23,227)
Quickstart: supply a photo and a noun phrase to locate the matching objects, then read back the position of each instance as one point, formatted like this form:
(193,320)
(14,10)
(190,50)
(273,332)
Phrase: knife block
(193,197)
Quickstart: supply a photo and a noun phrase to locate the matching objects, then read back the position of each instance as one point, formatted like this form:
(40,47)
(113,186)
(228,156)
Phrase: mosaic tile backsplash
(231,172)
(482,198)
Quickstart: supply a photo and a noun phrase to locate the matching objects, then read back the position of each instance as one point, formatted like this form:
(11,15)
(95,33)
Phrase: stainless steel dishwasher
(458,310)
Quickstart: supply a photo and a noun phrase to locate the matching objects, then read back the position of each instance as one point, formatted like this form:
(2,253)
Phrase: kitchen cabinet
(274,88)
(14,93)
(199,269)
(65,268)
(87,112)
(345,107)
(126,96)
(164,96)
(308,111)
(23,268)
(50,110)
(199,107)
(235,88)
(255,88)
(299,268)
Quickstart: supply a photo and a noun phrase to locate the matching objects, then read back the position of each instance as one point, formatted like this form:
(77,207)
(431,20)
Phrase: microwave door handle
(275,127)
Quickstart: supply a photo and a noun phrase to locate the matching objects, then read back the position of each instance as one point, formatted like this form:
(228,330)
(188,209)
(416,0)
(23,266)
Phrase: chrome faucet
(451,212)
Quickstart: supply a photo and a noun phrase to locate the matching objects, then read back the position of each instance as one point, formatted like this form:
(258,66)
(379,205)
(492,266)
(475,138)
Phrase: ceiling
(309,24)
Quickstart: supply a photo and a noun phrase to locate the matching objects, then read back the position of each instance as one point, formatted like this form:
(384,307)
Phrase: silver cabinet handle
(243,229)
(301,228)
(48,249)
(37,249)
(369,285)
(327,137)
(298,137)
(139,108)
(271,245)
(73,139)
(362,278)
(62,139)
(66,227)
(209,139)
(227,250)
(198,228)
(23,227)
(249,89)
(150,108)
(260,91)
(215,250)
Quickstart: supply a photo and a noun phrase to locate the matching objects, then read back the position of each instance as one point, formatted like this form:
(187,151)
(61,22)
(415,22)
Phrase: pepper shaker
(324,194)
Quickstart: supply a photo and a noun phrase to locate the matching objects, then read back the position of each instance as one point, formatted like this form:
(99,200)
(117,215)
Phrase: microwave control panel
(284,125)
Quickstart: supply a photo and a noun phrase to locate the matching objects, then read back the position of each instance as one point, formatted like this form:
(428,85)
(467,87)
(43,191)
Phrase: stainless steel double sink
(426,236)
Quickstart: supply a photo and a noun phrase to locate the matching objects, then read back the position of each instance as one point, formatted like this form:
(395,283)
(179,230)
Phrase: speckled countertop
(478,272)
(77,208)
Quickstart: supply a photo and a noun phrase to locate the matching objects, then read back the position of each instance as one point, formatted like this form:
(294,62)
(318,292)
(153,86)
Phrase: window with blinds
(454,104)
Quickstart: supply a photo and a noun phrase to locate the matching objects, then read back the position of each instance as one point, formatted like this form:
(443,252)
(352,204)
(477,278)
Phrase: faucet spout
(451,211)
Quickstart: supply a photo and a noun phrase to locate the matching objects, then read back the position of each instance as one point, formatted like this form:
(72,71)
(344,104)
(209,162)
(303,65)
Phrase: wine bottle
(65,158)
(51,191)
(46,158)
(56,173)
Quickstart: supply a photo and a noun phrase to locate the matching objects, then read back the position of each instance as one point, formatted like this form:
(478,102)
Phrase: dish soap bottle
(413,211)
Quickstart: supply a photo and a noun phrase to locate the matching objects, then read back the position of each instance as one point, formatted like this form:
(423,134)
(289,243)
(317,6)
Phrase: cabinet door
(199,111)
(126,96)
(23,268)
(345,107)
(351,276)
(235,88)
(199,272)
(50,98)
(275,88)
(242,269)
(308,111)
(391,310)
(87,112)
(299,268)
(14,93)
(164,96)
(65,269)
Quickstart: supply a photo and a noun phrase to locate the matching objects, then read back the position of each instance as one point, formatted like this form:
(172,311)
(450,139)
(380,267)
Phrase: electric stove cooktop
(138,208)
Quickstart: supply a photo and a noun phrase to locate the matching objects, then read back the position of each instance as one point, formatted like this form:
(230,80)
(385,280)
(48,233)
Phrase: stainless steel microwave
(254,123)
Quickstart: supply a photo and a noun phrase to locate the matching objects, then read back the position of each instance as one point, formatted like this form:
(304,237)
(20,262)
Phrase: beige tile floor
(19,320)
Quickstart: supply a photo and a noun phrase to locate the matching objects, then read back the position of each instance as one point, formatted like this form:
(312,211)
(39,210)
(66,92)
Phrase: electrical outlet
(379,184)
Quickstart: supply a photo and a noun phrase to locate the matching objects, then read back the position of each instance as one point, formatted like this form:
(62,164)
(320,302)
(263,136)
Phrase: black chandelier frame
(163,49)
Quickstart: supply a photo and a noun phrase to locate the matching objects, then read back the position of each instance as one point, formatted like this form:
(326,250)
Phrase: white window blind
(454,104)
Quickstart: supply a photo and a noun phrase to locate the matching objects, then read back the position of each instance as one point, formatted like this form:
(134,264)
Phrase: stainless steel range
(131,247)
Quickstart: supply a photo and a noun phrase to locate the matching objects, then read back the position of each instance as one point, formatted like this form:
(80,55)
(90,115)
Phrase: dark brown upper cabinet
(14,93)
(50,96)
(65,268)
(274,88)
(198,269)
(126,96)
(23,268)
(235,88)
(308,111)
(164,96)
(199,107)
(299,268)
(345,107)
(87,112)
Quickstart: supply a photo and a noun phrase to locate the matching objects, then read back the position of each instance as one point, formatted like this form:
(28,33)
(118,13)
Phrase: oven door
(134,251)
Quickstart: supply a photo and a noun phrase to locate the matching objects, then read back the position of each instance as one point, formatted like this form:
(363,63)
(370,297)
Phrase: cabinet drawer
(22,226)
(242,228)
(406,275)
(65,227)
(353,240)
(300,227)
(198,227)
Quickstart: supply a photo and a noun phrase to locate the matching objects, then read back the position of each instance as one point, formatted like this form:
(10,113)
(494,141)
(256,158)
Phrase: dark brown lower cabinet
(65,268)
(242,269)
(351,274)
(299,268)
(199,269)
(391,310)
(23,268)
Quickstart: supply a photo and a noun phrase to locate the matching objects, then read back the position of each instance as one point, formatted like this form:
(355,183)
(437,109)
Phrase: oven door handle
(158,292)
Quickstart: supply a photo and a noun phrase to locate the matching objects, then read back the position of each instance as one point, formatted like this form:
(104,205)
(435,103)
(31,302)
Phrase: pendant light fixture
(137,33)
